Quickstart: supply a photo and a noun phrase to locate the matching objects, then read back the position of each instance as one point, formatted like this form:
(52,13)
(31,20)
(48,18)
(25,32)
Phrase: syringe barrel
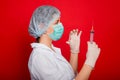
(91,36)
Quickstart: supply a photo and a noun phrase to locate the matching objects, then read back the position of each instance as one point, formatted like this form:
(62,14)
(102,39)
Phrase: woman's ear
(50,29)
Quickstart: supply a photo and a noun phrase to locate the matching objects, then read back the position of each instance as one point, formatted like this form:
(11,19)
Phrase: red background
(15,40)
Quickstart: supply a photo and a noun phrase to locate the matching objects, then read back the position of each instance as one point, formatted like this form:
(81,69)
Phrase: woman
(46,61)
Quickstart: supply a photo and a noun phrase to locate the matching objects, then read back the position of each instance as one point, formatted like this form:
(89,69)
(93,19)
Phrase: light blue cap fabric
(41,18)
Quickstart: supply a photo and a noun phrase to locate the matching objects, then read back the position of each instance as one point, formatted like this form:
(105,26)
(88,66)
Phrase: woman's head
(43,18)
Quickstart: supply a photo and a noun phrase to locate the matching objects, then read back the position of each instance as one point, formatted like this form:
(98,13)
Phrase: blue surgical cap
(41,18)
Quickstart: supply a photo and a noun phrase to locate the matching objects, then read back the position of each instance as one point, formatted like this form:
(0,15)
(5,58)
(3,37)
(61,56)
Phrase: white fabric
(46,64)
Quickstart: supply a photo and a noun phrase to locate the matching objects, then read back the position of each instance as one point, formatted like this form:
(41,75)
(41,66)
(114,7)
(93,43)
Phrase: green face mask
(58,31)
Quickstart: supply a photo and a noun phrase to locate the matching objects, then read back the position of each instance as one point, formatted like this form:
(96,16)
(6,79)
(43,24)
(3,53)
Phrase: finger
(71,32)
(99,50)
(70,35)
(88,43)
(79,33)
(93,43)
(96,46)
(76,31)
(67,42)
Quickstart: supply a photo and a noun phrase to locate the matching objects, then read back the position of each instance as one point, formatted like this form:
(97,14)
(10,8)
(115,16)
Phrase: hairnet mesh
(41,19)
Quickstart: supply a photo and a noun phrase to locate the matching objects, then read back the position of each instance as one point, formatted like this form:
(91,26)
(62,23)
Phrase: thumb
(99,50)
(67,42)
(79,33)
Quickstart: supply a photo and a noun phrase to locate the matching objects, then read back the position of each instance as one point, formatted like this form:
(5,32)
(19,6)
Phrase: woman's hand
(74,41)
(92,54)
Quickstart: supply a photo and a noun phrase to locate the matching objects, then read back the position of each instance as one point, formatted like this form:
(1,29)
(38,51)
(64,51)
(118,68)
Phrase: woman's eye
(57,21)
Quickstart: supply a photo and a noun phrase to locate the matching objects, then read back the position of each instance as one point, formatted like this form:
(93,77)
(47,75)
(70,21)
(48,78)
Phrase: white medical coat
(46,64)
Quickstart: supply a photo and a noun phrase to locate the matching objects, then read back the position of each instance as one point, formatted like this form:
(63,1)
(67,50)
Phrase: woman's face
(50,29)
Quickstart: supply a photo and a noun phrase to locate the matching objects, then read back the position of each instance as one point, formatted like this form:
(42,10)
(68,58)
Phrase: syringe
(91,35)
